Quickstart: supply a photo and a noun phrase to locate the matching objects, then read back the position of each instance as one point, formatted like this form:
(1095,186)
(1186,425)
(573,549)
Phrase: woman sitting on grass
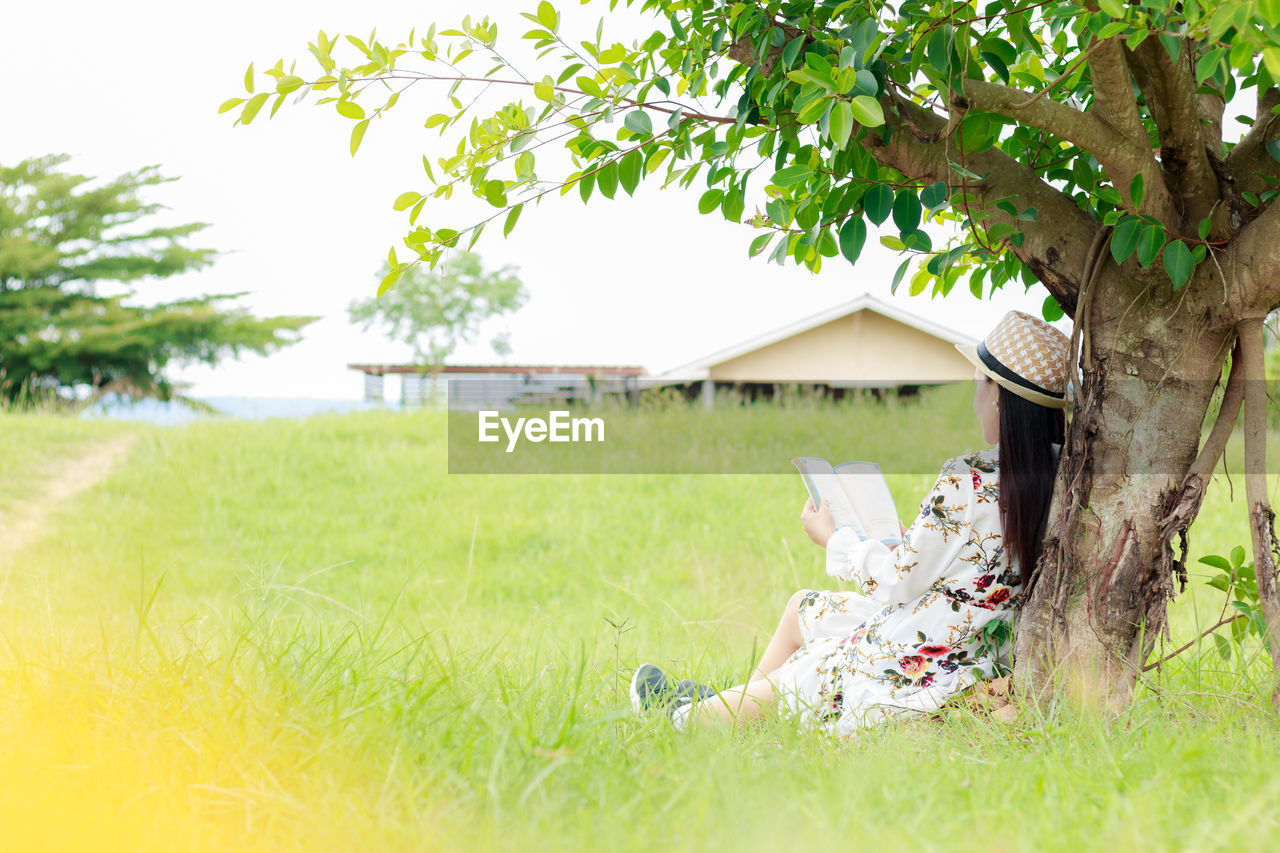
(915,636)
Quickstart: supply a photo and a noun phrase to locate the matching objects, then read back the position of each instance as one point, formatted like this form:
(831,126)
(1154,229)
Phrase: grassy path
(63,482)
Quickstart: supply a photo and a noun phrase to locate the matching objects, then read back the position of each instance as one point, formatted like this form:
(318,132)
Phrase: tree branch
(1261,517)
(1170,93)
(1254,259)
(1053,244)
(1216,444)
(1173,654)
(1113,92)
(1122,156)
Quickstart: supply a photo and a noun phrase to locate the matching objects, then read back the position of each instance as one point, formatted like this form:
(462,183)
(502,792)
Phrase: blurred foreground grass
(307,635)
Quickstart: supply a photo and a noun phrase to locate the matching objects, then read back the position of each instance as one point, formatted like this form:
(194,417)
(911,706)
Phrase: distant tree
(436,310)
(62,237)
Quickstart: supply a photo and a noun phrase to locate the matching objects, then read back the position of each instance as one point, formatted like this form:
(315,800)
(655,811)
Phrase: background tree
(62,237)
(436,310)
(1081,146)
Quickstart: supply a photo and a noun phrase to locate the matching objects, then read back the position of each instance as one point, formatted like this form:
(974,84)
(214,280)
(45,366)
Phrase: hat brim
(970,351)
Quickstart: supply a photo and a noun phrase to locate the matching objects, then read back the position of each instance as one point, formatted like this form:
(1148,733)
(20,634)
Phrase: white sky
(303,227)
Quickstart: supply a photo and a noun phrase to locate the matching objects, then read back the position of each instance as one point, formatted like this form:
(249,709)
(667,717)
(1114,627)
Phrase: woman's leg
(735,705)
(786,639)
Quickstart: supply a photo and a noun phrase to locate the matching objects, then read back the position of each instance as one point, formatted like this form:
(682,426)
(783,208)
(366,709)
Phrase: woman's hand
(818,523)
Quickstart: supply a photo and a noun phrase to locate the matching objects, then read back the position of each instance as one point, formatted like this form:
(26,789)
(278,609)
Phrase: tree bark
(1096,602)
(1261,517)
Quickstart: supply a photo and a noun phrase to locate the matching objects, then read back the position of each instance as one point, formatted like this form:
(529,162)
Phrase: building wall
(864,347)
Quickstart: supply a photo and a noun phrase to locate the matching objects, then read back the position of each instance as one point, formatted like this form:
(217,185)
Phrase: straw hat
(1026,356)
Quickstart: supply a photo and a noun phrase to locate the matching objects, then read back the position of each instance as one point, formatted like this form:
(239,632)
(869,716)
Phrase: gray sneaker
(649,688)
(693,691)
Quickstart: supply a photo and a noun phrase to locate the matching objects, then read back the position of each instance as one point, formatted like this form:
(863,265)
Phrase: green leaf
(230,104)
(1051,310)
(1273,148)
(779,212)
(792,50)
(389,280)
(853,235)
(938,49)
(406,200)
(495,193)
(812,111)
(248,79)
(759,243)
(934,196)
(840,124)
(878,202)
(1223,646)
(897,276)
(1178,263)
(629,171)
(512,217)
(357,135)
(1114,8)
(710,201)
(1150,242)
(1125,238)
(607,180)
(791,175)
(637,121)
(1270,58)
(906,211)
(1217,562)
(252,106)
(288,83)
(350,109)
(547,15)
(544,91)
(867,111)
(1237,556)
(1135,190)
(586,184)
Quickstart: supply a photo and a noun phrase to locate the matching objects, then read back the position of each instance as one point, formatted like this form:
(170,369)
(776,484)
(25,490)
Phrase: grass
(308,635)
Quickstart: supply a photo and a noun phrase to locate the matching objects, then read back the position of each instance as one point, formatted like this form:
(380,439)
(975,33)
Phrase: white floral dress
(914,636)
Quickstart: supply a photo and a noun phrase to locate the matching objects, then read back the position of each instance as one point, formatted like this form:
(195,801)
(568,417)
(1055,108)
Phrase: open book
(858,496)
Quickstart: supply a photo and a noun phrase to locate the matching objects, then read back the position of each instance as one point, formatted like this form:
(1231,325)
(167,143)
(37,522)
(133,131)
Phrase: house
(866,342)
(478,386)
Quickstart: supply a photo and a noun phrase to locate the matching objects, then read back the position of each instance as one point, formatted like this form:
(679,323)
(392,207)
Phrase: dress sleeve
(929,547)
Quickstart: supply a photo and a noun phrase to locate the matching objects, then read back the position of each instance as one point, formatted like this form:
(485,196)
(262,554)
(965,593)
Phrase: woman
(919,632)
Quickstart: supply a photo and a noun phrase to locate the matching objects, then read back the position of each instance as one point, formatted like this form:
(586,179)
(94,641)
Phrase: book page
(822,482)
(868,493)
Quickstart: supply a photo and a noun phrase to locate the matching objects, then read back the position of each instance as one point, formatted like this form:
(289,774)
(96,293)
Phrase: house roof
(700,368)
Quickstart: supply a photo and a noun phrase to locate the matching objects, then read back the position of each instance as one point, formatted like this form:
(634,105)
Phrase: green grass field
(308,635)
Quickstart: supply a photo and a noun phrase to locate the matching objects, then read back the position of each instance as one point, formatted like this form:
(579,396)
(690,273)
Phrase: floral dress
(922,627)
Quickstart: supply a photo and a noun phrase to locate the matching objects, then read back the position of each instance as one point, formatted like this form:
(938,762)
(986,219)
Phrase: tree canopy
(63,237)
(835,115)
(435,310)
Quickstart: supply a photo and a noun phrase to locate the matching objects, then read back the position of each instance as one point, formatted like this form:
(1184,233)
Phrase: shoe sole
(635,693)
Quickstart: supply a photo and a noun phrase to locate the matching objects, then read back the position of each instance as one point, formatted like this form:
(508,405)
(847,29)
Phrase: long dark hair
(1027,468)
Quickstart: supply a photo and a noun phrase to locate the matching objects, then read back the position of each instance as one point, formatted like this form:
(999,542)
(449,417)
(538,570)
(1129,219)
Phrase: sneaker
(649,688)
(692,691)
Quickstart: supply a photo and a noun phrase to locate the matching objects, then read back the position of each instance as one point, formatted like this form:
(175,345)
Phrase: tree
(434,311)
(62,237)
(1080,147)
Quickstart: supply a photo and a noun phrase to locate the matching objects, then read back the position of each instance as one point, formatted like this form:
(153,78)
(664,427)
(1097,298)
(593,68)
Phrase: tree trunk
(1097,602)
